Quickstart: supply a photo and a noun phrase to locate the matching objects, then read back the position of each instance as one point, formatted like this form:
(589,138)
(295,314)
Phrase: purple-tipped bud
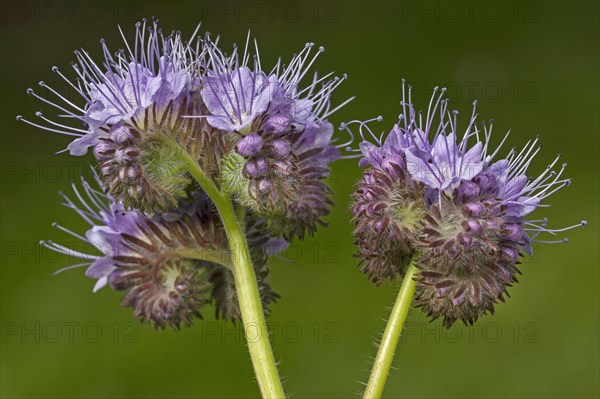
(472,226)
(474,209)
(493,225)
(250,145)
(283,167)
(104,148)
(512,232)
(122,135)
(277,123)
(509,255)
(380,225)
(467,191)
(488,183)
(387,211)
(392,164)
(504,273)
(279,148)
(122,157)
(256,168)
(465,239)
(264,186)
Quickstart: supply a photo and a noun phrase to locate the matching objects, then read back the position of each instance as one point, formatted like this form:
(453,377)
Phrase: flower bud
(255,168)
(472,226)
(467,191)
(512,232)
(277,123)
(249,145)
(487,182)
(279,148)
(467,259)
(265,179)
(141,172)
(473,209)
(386,215)
(169,295)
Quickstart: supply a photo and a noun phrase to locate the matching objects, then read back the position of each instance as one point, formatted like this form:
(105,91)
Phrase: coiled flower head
(161,104)
(133,111)
(165,110)
(166,264)
(283,141)
(451,205)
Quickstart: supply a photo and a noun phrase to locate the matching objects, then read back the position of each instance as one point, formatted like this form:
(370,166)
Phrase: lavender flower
(169,265)
(133,102)
(235,98)
(283,141)
(164,108)
(463,213)
(257,134)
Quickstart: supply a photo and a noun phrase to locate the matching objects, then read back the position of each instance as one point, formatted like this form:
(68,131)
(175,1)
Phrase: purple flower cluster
(131,102)
(283,139)
(448,202)
(144,105)
(148,112)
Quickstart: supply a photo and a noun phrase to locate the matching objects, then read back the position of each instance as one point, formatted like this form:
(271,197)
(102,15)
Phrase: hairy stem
(251,310)
(389,341)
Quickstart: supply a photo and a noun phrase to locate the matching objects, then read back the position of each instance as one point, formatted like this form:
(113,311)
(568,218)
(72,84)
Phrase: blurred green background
(532,65)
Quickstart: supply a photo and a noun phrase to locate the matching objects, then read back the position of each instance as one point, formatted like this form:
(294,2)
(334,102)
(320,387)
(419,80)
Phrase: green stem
(389,341)
(250,304)
(220,257)
(253,317)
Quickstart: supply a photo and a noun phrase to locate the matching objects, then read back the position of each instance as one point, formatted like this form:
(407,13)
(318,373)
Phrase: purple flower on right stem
(463,214)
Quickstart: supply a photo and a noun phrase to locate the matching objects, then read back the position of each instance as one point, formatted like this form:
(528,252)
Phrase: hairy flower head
(130,105)
(166,264)
(446,198)
(283,141)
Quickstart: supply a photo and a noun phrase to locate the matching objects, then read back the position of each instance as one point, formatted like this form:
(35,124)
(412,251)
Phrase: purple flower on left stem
(170,266)
(158,111)
(132,103)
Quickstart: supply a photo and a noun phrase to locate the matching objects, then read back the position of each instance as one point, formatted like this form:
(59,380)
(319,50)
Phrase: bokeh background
(532,65)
